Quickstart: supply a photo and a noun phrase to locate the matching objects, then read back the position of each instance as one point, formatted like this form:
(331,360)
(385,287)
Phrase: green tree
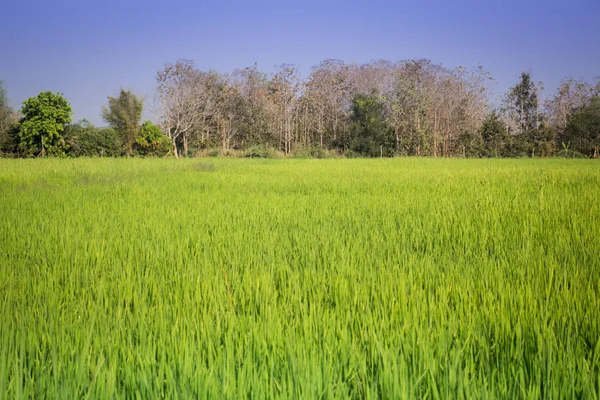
(542,141)
(471,143)
(44,119)
(582,133)
(370,134)
(494,136)
(9,142)
(523,105)
(151,141)
(124,114)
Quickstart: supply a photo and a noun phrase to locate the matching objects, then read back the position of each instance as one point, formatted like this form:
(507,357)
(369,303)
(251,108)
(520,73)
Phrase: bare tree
(7,115)
(253,86)
(328,90)
(427,105)
(283,90)
(179,101)
(375,76)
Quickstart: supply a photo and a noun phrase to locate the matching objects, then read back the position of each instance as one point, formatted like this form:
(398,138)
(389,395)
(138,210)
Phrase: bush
(315,152)
(471,143)
(150,141)
(202,153)
(84,139)
(9,142)
(258,151)
(232,153)
(218,152)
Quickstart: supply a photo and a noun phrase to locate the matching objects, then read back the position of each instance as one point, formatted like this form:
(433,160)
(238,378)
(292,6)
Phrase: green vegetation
(124,114)
(44,119)
(86,140)
(233,278)
(370,135)
(378,109)
(151,142)
(583,129)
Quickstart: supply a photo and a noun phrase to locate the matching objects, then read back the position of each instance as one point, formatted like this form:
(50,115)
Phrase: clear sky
(88,49)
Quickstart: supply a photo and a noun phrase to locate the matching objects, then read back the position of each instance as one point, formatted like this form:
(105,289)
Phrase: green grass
(403,278)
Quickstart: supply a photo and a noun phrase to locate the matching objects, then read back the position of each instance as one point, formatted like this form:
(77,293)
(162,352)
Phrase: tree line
(378,109)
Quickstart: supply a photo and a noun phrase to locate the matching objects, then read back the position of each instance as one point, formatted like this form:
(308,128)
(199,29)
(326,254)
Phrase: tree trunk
(174,147)
(447,139)
(435,127)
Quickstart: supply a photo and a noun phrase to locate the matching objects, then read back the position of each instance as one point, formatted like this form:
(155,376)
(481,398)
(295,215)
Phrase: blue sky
(88,50)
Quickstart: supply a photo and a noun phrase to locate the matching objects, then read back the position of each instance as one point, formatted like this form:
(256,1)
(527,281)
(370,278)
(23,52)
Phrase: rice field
(229,278)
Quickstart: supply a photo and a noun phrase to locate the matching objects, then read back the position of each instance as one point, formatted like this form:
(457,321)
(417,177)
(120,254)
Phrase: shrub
(151,141)
(259,151)
(84,139)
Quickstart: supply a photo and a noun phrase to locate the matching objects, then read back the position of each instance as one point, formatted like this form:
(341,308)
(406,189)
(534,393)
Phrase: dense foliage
(150,141)
(89,141)
(583,129)
(369,134)
(44,119)
(302,279)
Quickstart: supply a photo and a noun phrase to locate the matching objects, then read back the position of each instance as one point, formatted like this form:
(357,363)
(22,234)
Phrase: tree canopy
(44,119)
(150,141)
(371,135)
(583,129)
(124,114)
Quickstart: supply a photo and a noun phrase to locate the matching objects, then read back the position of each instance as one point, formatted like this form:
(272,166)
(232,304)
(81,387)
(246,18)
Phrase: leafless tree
(283,93)
(427,105)
(328,90)
(179,101)
(430,105)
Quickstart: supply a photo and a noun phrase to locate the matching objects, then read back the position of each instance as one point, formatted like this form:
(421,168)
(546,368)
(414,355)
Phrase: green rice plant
(258,278)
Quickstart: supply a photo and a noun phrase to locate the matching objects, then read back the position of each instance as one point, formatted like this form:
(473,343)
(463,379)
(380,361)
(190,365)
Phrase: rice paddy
(229,278)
